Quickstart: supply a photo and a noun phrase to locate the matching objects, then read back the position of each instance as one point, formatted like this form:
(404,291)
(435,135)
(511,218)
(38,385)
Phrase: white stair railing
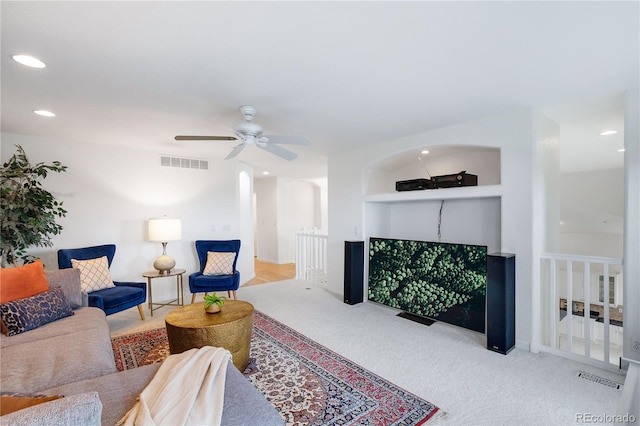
(578,306)
(311,256)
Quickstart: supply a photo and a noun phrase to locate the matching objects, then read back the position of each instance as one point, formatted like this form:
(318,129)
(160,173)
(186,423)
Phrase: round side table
(191,327)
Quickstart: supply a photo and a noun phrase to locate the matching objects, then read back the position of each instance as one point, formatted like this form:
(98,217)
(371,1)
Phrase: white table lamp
(164,230)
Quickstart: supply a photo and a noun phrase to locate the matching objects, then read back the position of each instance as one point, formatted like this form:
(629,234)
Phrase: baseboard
(625,362)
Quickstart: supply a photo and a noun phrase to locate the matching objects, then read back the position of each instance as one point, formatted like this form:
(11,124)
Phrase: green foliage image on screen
(446,282)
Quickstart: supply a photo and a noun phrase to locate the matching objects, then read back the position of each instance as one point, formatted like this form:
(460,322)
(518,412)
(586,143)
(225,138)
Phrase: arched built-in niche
(484,162)
(470,215)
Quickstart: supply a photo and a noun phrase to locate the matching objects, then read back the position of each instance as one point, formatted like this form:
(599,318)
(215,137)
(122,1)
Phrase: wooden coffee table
(191,327)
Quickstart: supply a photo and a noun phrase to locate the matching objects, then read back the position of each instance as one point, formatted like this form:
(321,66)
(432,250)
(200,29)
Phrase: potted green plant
(213,303)
(28,212)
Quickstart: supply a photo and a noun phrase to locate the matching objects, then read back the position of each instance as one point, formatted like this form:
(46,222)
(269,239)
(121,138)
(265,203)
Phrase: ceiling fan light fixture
(262,141)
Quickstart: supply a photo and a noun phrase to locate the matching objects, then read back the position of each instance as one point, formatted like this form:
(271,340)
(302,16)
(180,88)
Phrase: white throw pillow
(94,274)
(219,263)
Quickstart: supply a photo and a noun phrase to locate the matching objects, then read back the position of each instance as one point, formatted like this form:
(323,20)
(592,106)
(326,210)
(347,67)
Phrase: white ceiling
(345,74)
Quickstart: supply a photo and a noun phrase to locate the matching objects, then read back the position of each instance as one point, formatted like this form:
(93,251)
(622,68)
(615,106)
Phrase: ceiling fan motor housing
(248,129)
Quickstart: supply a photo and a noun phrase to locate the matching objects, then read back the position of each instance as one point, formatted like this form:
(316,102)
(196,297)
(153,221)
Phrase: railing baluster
(570,305)
(606,312)
(311,254)
(555,316)
(589,333)
(587,296)
(298,257)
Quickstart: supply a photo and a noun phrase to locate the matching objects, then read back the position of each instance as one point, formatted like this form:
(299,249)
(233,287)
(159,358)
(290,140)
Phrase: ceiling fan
(250,133)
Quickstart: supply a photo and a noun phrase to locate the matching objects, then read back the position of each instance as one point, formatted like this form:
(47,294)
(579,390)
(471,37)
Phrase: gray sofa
(73,357)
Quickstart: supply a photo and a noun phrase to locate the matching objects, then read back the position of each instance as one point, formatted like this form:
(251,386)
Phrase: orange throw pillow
(23,281)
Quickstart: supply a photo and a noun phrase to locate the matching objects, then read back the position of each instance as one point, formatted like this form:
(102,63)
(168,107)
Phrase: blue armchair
(199,283)
(123,296)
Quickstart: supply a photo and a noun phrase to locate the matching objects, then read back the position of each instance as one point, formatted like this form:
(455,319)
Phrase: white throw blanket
(188,389)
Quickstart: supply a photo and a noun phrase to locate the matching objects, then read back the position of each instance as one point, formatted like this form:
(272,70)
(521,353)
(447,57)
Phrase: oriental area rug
(306,382)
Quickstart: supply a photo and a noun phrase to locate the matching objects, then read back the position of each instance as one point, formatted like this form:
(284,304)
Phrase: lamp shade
(165,229)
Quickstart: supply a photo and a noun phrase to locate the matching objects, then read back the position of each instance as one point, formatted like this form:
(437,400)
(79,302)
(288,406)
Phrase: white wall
(320,189)
(513,134)
(266,190)
(592,244)
(298,210)
(632,231)
(592,213)
(110,193)
(285,206)
(474,221)
(630,401)
(245,210)
(545,143)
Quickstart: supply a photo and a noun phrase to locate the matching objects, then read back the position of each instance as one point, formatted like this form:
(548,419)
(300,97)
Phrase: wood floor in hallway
(269,272)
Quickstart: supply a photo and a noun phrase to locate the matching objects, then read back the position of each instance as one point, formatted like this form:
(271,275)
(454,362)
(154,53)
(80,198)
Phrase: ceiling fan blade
(235,151)
(205,138)
(288,139)
(279,151)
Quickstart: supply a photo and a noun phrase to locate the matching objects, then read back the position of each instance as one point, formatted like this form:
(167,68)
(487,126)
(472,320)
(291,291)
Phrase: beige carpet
(444,364)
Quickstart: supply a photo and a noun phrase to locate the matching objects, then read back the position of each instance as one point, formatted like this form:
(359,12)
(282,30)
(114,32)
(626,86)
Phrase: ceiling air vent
(184,163)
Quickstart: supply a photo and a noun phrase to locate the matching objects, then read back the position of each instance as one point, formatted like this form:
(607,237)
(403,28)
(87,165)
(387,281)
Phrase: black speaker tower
(501,302)
(353,272)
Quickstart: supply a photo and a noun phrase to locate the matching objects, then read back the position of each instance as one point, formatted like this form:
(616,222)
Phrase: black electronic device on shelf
(457,179)
(415,184)
(444,181)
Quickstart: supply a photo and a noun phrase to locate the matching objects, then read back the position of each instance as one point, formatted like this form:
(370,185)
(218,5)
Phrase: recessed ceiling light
(44,113)
(608,132)
(29,61)
(621,150)
(265,173)
(425,152)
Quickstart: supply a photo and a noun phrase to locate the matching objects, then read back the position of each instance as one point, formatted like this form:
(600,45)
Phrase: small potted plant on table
(213,303)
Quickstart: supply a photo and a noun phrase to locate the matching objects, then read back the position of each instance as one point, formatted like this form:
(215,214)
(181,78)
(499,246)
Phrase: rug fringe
(438,417)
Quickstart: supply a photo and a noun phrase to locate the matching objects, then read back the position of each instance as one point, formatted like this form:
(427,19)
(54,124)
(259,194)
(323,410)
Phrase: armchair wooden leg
(141,312)
(193,298)
(234,295)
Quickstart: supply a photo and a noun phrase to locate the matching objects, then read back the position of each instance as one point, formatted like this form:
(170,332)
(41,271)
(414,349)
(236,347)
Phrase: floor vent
(184,163)
(599,380)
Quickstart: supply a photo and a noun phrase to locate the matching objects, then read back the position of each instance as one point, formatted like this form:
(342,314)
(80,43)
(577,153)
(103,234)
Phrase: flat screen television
(442,281)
